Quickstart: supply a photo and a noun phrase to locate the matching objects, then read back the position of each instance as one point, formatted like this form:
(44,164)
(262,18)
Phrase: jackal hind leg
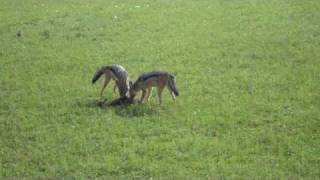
(148,94)
(105,84)
(115,87)
(160,89)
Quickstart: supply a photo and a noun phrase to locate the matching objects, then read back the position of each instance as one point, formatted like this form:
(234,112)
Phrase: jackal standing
(118,74)
(159,79)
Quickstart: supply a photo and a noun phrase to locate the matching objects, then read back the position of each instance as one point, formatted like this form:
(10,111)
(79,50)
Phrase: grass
(248,73)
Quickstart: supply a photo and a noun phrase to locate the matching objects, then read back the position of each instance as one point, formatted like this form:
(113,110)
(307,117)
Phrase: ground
(248,74)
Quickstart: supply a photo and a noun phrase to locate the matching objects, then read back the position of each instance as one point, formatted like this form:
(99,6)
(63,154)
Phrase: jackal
(158,79)
(118,74)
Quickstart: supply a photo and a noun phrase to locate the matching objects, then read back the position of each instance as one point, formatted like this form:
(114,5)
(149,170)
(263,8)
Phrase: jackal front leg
(148,94)
(172,94)
(143,95)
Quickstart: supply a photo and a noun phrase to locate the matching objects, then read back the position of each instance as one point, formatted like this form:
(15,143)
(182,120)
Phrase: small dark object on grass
(122,101)
(19,34)
(117,102)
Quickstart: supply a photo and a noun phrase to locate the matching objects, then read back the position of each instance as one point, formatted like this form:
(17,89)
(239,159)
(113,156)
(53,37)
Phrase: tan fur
(146,86)
(108,75)
(116,73)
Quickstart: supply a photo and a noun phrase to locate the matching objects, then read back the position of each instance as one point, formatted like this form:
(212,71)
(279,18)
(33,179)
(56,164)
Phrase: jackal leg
(115,87)
(160,89)
(172,95)
(143,95)
(106,82)
(148,94)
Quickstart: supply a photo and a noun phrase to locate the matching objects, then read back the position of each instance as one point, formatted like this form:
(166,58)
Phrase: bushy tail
(98,74)
(172,85)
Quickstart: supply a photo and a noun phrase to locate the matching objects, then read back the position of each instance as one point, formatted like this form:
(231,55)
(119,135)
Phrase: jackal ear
(130,84)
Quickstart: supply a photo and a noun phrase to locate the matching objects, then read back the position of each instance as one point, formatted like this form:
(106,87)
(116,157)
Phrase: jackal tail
(172,85)
(98,74)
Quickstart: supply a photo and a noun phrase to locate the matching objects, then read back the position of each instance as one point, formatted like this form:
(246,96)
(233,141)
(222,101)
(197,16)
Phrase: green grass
(248,73)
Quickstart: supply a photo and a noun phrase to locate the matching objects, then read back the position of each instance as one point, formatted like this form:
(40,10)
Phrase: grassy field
(248,73)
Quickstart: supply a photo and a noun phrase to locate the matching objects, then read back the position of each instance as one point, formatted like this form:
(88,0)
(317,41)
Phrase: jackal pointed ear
(130,84)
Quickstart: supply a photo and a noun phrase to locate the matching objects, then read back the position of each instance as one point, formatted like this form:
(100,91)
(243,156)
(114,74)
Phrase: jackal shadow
(125,110)
(94,103)
(135,110)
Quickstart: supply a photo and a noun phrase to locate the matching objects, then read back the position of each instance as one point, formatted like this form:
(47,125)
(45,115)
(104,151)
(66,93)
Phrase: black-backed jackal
(118,74)
(159,79)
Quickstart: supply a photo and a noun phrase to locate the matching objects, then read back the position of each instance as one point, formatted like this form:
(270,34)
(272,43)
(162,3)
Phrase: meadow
(248,73)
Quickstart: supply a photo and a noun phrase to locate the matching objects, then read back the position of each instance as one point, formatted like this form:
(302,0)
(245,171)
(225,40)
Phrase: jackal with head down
(116,73)
(159,79)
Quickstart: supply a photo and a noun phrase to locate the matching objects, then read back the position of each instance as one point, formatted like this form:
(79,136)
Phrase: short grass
(248,73)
